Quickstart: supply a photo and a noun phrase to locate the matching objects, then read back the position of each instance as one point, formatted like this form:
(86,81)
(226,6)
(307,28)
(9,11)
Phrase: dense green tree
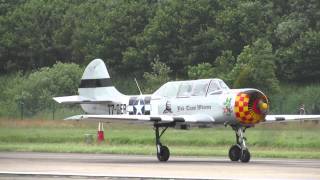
(189,38)
(27,35)
(40,86)
(11,90)
(221,68)
(180,34)
(128,35)
(224,65)
(201,71)
(9,5)
(106,29)
(36,90)
(255,67)
(300,61)
(158,76)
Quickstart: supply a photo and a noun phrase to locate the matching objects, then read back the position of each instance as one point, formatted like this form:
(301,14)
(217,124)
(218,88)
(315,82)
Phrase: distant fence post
(21,109)
(53,110)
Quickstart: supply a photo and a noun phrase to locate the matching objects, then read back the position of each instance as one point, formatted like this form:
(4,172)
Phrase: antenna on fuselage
(138,86)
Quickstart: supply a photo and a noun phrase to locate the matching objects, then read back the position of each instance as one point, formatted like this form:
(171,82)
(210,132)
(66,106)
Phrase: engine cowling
(251,107)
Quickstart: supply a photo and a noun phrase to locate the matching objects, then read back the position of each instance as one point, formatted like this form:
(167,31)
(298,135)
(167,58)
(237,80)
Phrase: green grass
(281,140)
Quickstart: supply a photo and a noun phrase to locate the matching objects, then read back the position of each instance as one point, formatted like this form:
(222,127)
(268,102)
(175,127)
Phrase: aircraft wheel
(245,157)
(234,153)
(164,154)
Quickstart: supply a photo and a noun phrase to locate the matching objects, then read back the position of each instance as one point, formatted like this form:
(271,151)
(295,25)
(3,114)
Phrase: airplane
(202,101)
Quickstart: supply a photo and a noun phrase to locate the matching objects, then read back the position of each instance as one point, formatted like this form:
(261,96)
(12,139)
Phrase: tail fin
(95,87)
(96,82)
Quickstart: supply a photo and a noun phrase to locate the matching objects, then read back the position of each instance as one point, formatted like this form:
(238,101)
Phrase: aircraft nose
(251,107)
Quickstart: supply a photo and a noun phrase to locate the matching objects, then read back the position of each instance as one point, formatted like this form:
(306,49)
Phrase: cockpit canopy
(201,87)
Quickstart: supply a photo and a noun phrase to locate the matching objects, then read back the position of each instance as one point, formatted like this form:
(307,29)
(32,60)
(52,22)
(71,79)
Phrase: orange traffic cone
(100,137)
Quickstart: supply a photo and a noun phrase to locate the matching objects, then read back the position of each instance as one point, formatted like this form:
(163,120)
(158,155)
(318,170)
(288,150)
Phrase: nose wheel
(239,151)
(245,156)
(235,152)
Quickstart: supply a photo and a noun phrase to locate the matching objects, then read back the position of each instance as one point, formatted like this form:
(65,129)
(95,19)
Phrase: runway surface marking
(108,165)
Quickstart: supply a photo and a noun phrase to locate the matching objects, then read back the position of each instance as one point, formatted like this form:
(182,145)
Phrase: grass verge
(279,141)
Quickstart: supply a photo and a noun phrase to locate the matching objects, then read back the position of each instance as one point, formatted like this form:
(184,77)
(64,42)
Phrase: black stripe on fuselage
(93,83)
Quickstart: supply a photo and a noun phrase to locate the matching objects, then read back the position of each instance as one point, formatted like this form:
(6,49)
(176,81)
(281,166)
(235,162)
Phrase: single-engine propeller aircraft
(204,101)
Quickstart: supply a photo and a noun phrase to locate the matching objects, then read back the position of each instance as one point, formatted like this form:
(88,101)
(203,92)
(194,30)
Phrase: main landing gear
(163,152)
(239,151)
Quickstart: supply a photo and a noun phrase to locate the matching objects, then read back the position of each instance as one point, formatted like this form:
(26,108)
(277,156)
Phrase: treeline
(129,35)
(31,94)
(270,45)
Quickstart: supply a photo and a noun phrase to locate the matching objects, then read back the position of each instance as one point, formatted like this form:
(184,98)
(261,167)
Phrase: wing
(270,118)
(197,118)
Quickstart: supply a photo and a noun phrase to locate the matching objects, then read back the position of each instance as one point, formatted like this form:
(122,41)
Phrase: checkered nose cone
(250,107)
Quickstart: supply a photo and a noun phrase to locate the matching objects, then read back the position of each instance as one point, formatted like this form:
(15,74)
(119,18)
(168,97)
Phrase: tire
(164,154)
(234,153)
(245,157)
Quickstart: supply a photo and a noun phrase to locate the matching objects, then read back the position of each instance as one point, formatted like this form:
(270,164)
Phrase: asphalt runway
(22,165)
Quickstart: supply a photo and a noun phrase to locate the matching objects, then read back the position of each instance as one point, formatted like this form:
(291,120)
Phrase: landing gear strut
(163,152)
(239,151)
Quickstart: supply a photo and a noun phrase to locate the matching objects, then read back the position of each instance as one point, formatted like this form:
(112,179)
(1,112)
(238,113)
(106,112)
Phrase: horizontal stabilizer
(152,118)
(80,100)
